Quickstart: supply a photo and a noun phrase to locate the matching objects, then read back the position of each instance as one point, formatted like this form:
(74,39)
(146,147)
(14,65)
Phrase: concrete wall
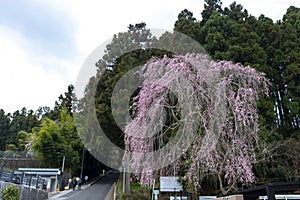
(26,193)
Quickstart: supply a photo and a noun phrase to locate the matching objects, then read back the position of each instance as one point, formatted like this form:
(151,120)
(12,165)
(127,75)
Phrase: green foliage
(54,140)
(12,124)
(209,7)
(111,67)
(11,147)
(137,192)
(10,193)
(187,24)
(141,194)
(66,100)
(4,129)
(23,139)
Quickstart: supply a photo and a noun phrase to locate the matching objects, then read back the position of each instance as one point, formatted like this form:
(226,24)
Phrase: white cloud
(98,21)
(31,76)
(24,79)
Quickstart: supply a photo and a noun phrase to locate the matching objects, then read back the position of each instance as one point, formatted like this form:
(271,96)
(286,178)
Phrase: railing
(21,178)
(15,154)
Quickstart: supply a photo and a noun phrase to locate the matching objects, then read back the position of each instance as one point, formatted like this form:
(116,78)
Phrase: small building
(34,176)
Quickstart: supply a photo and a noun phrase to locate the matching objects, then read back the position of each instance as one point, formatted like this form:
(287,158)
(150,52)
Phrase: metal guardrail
(17,177)
(15,154)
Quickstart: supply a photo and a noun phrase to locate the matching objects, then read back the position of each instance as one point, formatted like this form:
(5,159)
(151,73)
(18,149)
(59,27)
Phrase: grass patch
(120,188)
(135,186)
(137,191)
(8,170)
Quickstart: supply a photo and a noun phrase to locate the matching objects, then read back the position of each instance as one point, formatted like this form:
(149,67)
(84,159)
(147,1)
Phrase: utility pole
(126,177)
(82,163)
(61,175)
(63,164)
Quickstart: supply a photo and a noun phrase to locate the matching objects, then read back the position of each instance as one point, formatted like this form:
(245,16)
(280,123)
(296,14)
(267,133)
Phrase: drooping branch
(215,110)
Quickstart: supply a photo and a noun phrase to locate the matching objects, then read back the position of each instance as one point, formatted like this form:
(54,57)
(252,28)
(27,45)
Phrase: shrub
(140,194)
(10,193)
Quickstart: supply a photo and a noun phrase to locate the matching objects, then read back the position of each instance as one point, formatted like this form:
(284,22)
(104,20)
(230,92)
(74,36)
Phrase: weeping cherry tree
(200,117)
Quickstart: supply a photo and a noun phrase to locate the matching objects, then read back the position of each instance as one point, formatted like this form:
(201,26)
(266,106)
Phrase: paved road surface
(97,191)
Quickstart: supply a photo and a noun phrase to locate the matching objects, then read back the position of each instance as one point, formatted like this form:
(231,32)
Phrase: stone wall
(15,163)
(27,193)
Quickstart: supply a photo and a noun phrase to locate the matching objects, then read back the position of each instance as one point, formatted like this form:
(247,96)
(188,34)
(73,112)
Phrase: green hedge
(10,193)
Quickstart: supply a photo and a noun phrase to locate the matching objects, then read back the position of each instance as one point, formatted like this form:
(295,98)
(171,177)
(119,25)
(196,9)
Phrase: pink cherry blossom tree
(196,114)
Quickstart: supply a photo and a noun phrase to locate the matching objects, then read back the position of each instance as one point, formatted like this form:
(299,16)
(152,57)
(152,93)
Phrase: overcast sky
(43,43)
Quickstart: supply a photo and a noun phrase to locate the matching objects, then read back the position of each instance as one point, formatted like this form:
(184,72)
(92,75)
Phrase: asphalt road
(97,191)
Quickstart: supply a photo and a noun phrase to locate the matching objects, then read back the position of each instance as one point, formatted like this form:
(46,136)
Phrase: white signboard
(170,184)
(178,198)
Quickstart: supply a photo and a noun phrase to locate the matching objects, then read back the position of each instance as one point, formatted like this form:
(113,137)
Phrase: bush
(140,194)
(10,193)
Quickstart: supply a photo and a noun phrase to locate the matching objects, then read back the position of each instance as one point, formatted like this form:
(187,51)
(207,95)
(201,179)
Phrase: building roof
(40,171)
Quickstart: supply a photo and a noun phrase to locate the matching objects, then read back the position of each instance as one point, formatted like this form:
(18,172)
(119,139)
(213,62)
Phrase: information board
(170,184)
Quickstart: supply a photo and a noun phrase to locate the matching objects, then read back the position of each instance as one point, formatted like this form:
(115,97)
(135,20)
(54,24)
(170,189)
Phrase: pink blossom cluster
(216,106)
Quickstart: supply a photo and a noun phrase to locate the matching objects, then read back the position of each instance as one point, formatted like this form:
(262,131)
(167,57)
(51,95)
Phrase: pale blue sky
(43,43)
(48,28)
